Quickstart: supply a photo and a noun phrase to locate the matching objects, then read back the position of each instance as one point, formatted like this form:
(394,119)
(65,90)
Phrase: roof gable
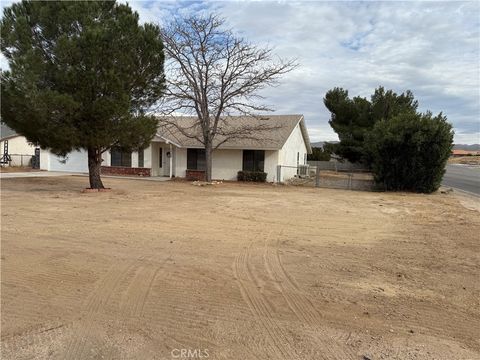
(277,129)
(6,132)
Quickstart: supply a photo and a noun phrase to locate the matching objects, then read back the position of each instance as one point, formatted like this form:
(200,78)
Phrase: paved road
(463,177)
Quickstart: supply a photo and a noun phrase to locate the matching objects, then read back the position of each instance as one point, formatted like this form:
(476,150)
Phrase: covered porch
(157,160)
(163,154)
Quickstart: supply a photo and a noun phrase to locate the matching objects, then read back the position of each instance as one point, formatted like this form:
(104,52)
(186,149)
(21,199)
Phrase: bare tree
(213,74)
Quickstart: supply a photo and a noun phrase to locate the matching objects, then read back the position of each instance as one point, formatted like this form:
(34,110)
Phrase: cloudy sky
(431,48)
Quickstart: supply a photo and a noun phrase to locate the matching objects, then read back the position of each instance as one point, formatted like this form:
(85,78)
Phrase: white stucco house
(20,151)
(173,154)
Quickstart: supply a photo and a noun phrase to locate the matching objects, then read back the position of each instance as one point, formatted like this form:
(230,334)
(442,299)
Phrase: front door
(160,160)
(166,160)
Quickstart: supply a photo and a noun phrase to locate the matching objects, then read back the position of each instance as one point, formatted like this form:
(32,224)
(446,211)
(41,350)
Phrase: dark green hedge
(256,176)
(410,151)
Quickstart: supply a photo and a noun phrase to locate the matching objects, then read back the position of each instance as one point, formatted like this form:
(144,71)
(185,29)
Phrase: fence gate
(36,159)
(329,175)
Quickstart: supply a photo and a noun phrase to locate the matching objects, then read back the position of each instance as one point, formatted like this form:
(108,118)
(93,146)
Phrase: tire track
(260,308)
(169,307)
(300,304)
(133,302)
(131,306)
(135,297)
(97,301)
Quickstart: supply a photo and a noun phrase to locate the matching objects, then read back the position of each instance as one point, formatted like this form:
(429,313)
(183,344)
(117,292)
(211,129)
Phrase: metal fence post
(317,176)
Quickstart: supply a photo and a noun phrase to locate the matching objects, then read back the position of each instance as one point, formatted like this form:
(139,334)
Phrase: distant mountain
(473,147)
(319,144)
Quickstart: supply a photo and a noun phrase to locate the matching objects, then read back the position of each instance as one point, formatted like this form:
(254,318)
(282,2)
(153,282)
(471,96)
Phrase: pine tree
(83,75)
(353,119)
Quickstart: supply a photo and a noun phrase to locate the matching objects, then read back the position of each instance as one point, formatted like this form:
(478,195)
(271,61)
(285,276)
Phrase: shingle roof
(276,130)
(6,132)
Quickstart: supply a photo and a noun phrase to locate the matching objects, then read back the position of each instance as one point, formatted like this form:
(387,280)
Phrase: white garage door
(76,161)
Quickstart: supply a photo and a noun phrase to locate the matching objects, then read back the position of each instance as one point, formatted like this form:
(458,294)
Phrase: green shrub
(410,151)
(256,176)
(320,154)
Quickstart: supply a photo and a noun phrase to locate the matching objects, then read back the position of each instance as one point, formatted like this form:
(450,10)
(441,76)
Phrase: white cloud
(3,62)
(430,48)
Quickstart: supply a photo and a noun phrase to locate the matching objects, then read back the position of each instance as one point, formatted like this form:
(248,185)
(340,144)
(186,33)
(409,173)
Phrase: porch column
(171,160)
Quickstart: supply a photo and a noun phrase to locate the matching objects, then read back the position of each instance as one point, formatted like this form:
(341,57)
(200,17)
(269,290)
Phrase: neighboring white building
(19,149)
(172,153)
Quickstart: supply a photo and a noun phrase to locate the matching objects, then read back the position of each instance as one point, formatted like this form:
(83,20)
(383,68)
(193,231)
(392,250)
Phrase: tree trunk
(208,161)
(94,164)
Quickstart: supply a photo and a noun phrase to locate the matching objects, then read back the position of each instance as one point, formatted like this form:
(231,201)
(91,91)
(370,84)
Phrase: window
(140,158)
(253,160)
(196,159)
(160,157)
(120,158)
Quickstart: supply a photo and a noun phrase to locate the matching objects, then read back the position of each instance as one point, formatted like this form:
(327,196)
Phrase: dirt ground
(12,169)
(167,270)
(465,160)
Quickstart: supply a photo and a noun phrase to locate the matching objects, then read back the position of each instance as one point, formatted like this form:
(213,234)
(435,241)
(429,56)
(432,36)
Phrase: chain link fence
(338,166)
(328,174)
(19,160)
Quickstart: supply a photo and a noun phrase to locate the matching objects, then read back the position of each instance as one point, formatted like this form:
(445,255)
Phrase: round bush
(410,151)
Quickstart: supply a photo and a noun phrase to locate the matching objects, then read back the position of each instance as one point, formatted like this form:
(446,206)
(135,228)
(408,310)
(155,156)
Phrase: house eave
(166,140)
(230,147)
(9,137)
(306,138)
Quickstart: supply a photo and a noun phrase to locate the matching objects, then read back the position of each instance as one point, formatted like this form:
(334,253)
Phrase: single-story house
(284,141)
(20,151)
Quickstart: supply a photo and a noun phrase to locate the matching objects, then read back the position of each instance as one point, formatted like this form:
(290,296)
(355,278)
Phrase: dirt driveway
(231,271)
